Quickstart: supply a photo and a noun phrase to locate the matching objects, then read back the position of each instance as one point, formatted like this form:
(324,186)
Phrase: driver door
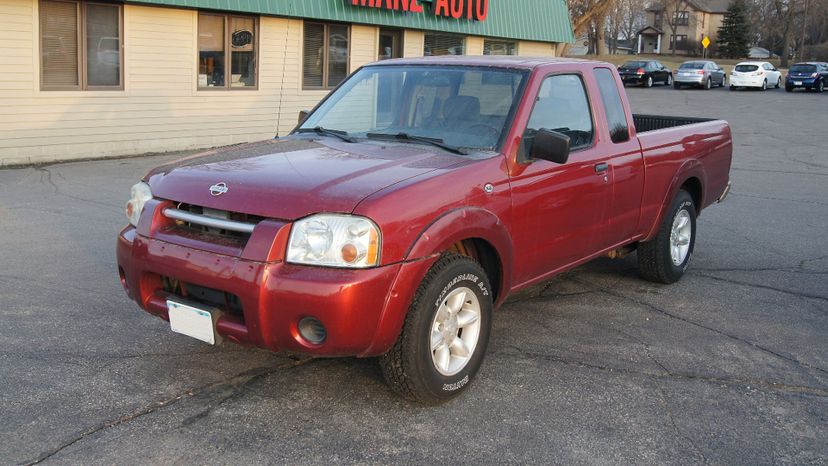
(558,209)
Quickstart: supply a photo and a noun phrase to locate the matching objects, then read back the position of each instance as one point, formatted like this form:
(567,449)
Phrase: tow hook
(724,193)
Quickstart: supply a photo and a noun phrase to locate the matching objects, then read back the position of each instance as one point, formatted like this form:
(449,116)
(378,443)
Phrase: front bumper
(362,310)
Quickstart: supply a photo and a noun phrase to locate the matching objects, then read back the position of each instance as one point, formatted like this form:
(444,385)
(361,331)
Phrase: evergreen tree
(734,33)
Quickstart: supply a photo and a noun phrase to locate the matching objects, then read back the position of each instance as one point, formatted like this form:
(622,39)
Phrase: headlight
(139,195)
(334,240)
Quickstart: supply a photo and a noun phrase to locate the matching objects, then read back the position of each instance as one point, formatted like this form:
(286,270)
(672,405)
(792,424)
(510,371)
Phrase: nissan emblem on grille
(218,189)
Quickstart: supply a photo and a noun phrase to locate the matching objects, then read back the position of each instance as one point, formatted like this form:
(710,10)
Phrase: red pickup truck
(410,203)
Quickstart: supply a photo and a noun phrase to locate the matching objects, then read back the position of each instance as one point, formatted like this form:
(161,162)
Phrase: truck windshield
(460,106)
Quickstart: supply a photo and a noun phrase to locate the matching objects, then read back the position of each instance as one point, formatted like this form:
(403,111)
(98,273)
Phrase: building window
(678,42)
(444,44)
(499,47)
(657,19)
(390,44)
(224,39)
(681,18)
(325,55)
(80,45)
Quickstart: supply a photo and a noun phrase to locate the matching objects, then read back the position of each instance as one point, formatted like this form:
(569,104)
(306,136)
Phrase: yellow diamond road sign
(706,42)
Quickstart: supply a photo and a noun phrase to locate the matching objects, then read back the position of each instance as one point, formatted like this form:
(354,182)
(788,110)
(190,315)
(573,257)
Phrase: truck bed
(644,123)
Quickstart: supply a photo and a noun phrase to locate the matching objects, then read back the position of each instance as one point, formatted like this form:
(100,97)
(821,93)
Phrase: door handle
(601,167)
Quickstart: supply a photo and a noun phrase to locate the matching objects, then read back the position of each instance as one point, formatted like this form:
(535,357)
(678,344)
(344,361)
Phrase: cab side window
(561,106)
(616,116)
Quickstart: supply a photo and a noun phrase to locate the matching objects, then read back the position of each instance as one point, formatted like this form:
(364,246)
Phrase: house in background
(693,19)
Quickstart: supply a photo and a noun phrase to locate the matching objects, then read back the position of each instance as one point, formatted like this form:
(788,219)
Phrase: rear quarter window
(616,116)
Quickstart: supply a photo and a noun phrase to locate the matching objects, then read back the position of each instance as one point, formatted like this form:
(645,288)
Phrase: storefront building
(86,78)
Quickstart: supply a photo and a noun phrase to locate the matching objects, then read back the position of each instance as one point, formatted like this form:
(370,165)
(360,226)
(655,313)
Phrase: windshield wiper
(410,137)
(328,132)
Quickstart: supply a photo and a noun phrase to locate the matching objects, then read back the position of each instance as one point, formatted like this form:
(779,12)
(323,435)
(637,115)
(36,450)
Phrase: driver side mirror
(550,145)
(303,115)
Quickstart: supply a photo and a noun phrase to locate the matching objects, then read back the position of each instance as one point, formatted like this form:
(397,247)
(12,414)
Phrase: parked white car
(759,74)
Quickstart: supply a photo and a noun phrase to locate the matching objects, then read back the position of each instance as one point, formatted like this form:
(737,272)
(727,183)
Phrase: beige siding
(160,107)
(474,45)
(536,49)
(413,43)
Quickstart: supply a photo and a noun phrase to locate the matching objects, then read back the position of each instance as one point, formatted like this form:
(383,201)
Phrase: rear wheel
(648,82)
(445,334)
(765,85)
(665,258)
(708,84)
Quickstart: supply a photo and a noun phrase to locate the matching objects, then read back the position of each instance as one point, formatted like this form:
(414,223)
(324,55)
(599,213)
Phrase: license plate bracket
(194,321)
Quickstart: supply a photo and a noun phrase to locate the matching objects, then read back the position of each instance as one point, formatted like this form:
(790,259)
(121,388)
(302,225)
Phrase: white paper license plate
(797,83)
(190,321)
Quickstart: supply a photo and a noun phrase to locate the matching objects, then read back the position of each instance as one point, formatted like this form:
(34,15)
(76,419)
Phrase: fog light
(312,330)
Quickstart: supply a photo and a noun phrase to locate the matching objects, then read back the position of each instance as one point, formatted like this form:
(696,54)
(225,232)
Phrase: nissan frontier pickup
(410,203)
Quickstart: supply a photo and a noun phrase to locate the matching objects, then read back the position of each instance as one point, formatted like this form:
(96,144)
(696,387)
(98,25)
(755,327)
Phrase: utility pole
(804,31)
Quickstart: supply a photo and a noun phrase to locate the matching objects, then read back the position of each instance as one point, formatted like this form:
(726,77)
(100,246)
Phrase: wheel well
(694,187)
(483,252)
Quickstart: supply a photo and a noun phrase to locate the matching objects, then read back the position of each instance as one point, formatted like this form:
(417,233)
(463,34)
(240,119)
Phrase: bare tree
(584,13)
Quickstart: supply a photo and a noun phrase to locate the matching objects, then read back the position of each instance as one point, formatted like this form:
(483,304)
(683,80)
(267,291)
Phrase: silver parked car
(699,73)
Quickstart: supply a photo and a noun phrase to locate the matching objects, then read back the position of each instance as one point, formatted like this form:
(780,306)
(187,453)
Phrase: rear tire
(649,82)
(422,366)
(765,85)
(665,258)
(708,84)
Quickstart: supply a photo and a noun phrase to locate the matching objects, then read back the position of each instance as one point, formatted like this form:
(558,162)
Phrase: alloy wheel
(680,237)
(455,331)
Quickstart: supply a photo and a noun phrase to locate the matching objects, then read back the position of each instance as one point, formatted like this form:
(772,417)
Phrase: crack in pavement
(711,329)
(757,285)
(257,372)
(47,175)
(719,381)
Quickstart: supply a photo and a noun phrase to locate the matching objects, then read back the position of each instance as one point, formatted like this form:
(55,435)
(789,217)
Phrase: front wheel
(445,334)
(779,83)
(665,258)
(820,86)
(669,80)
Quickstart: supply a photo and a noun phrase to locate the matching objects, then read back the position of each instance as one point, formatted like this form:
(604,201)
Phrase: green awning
(535,20)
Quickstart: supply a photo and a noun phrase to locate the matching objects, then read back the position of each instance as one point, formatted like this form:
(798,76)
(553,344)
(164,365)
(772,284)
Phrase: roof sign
(476,10)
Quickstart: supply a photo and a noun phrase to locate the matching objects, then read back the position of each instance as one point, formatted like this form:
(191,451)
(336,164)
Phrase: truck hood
(292,178)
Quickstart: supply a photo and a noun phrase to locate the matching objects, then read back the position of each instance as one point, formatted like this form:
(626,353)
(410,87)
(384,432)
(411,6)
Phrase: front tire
(665,258)
(445,335)
(821,86)
(779,83)
(669,80)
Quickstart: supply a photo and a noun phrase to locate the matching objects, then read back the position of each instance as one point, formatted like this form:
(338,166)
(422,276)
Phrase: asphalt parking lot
(596,366)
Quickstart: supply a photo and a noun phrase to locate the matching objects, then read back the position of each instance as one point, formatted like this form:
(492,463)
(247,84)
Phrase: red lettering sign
(470,9)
